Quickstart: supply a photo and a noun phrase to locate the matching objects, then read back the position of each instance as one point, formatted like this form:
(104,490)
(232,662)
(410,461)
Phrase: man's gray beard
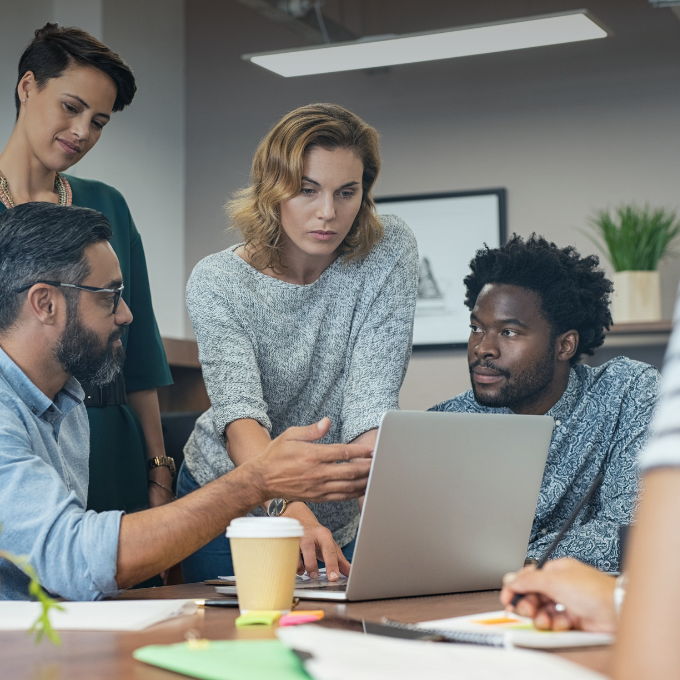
(81,354)
(109,369)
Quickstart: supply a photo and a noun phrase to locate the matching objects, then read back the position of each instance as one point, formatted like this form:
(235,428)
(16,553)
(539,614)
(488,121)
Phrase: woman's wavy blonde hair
(276,176)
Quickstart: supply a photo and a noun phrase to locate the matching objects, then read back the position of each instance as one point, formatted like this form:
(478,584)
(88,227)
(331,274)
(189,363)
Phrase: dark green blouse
(118,479)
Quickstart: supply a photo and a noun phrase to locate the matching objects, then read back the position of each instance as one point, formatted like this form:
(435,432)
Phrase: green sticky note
(227,660)
(258,617)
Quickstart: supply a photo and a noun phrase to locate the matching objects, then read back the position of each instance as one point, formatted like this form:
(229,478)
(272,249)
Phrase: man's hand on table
(586,594)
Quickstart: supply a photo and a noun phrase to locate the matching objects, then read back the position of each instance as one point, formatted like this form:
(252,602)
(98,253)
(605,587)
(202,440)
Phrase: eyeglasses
(117,292)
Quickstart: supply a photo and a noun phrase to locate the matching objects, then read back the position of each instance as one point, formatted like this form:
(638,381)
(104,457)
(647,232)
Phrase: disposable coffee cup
(265,553)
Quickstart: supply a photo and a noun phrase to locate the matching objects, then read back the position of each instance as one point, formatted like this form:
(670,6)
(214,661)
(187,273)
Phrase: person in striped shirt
(567,594)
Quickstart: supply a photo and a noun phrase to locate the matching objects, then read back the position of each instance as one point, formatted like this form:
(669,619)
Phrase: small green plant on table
(42,625)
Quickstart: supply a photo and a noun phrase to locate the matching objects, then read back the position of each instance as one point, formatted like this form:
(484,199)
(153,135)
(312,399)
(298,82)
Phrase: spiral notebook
(500,629)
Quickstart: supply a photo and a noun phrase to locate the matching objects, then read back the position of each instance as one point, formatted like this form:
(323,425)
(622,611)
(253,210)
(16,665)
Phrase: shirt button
(558,423)
(544,532)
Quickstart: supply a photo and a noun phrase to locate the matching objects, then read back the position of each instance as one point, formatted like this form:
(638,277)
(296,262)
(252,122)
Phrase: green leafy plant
(42,626)
(634,238)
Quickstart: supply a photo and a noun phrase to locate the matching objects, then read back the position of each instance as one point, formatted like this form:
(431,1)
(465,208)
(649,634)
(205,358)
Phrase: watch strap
(163,461)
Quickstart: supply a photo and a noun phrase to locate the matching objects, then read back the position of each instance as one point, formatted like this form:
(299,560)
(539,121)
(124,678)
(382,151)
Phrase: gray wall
(566,129)
(141,152)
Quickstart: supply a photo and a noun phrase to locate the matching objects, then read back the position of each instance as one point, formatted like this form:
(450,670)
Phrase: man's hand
(586,594)
(292,467)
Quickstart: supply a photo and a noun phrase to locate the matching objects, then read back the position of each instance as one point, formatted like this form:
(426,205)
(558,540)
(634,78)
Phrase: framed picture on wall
(449,228)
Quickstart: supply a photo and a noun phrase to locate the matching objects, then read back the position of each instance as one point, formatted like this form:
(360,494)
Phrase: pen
(217,603)
(567,525)
(231,602)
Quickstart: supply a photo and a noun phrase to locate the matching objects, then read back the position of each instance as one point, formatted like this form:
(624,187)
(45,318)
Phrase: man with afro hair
(535,311)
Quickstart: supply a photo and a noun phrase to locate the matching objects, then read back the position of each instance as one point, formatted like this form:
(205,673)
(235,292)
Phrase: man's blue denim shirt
(44,471)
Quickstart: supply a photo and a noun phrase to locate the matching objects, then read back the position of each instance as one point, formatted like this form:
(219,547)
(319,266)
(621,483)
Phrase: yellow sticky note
(258,618)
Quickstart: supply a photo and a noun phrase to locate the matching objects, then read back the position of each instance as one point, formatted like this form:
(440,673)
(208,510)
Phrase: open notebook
(499,629)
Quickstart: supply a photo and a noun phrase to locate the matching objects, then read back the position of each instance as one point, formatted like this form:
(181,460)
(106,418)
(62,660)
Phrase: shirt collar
(36,400)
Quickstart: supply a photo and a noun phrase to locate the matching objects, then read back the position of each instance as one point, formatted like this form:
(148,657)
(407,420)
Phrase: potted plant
(634,240)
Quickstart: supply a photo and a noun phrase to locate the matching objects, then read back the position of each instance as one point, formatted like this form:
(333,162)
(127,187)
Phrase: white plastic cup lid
(265,527)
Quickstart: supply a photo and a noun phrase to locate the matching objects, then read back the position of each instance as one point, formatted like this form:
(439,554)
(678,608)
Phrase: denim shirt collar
(68,397)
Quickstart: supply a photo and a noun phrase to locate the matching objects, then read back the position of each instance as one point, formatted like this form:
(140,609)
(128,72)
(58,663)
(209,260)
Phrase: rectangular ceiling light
(552,29)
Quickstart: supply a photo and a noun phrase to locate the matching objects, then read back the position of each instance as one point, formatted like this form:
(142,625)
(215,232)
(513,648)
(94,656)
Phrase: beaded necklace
(60,184)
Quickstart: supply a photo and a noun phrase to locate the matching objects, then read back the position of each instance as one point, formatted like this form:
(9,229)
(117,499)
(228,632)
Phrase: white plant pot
(637,297)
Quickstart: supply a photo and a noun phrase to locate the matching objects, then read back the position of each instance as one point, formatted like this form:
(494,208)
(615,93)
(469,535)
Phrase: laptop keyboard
(305,583)
(339,586)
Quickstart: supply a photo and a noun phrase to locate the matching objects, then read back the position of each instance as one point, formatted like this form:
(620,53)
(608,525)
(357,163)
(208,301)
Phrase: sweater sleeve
(381,353)
(225,350)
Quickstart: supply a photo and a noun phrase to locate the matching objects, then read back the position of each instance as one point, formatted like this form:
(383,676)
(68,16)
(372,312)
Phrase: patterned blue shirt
(601,425)
(44,471)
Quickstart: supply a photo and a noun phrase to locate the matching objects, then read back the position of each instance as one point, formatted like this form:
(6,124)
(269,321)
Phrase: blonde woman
(310,316)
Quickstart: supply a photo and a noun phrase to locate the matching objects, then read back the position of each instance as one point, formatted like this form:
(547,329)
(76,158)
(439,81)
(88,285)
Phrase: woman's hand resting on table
(585,594)
(317,544)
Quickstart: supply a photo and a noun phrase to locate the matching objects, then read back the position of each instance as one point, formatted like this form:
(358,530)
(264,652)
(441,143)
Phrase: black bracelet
(153,481)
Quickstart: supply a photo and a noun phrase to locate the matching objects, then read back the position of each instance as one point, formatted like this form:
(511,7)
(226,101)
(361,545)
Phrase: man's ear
(566,345)
(45,304)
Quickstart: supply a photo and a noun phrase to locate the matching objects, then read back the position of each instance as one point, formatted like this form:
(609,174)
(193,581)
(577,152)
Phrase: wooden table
(108,656)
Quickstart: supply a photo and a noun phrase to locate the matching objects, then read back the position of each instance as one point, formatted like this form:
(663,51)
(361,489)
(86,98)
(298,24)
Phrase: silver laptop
(448,509)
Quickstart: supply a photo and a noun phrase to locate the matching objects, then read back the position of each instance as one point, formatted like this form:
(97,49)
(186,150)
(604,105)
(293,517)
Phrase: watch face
(276,507)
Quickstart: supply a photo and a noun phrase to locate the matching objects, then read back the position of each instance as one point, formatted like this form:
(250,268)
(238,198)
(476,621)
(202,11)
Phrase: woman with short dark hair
(68,85)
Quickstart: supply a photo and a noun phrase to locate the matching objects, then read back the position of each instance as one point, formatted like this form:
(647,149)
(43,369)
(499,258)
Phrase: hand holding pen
(560,535)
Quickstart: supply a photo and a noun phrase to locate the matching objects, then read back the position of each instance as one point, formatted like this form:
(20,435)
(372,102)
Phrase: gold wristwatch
(160,461)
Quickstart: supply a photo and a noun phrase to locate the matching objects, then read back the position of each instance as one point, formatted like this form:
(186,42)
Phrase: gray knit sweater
(287,355)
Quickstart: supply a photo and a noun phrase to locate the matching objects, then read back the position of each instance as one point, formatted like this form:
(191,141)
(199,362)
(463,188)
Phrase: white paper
(339,655)
(117,615)
(527,637)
